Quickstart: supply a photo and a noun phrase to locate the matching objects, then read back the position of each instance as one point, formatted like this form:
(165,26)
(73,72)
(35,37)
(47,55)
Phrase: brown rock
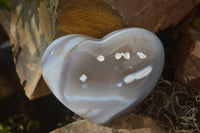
(154,15)
(187,58)
(85,126)
(90,17)
(132,121)
(34,26)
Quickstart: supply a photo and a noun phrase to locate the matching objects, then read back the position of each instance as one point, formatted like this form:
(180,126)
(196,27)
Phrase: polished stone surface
(100,78)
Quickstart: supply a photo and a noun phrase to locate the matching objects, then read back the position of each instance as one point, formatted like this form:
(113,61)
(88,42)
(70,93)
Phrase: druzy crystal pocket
(101,78)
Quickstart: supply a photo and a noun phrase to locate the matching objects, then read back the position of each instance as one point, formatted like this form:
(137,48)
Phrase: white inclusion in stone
(141,55)
(100,58)
(118,56)
(127,55)
(119,84)
(138,75)
(131,67)
(83,78)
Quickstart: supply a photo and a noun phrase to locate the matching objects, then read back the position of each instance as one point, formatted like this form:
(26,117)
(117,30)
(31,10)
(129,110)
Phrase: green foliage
(32,126)
(9,125)
(5,4)
(15,124)
(196,24)
(4,129)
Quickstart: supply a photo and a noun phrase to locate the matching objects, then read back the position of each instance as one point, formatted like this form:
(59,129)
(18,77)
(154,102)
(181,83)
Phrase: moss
(182,30)
(32,126)
(196,24)
(5,4)
(4,129)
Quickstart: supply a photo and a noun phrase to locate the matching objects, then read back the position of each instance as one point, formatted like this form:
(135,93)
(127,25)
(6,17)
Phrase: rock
(154,15)
(130,123)
(85,126)
(90,17)
(187,58)
(34,26)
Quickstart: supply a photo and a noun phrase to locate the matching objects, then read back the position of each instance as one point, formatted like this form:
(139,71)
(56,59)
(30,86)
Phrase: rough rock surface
(85,126)
(132,121)
(89,17)
(187,58)
(32,28)
(129,123)
(35,24)
(154,15)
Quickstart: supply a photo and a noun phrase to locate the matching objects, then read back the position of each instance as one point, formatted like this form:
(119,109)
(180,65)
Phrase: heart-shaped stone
(100,78)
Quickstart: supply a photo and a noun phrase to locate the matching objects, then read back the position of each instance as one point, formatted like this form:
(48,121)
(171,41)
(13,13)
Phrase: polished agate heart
(101,78)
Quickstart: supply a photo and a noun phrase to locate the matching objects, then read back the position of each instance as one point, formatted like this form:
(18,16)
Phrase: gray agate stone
(101,78)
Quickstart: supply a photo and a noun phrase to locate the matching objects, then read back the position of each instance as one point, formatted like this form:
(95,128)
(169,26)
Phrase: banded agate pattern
(101,78)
